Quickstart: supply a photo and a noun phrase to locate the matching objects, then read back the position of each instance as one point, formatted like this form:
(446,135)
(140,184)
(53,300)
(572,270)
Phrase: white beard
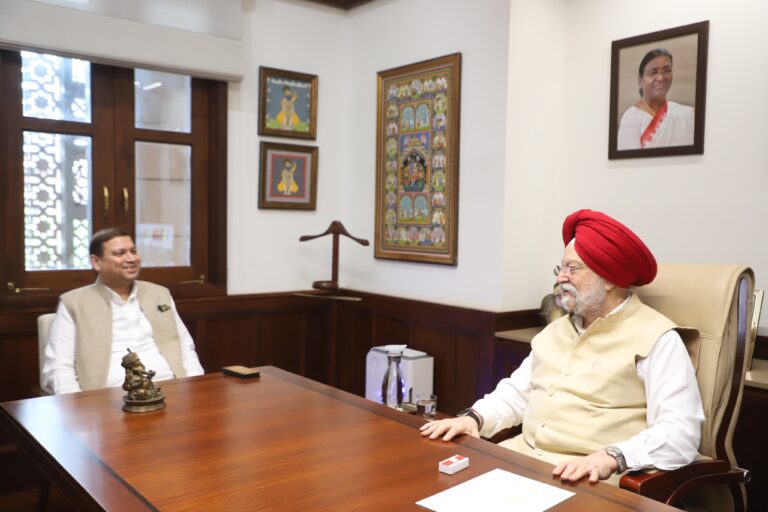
(589,300)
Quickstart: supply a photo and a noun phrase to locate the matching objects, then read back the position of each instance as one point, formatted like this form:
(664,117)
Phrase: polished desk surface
(281,442)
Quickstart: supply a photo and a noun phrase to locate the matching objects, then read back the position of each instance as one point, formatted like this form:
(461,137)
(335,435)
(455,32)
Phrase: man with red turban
(610,387)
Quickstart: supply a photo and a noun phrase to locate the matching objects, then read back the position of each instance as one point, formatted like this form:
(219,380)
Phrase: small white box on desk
(453,465)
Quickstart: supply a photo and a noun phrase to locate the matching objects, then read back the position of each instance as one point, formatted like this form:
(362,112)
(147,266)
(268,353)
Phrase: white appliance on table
(417,368)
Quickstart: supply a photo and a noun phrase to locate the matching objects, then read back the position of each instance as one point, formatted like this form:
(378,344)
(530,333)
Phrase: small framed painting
(287,103)
(658,93)
(288,176)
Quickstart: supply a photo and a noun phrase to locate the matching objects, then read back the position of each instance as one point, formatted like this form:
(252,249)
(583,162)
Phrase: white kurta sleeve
(188,354)
(505,406)
(675,412)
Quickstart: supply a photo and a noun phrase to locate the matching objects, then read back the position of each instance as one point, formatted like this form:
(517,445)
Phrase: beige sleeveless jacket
(586,394)
(91,310)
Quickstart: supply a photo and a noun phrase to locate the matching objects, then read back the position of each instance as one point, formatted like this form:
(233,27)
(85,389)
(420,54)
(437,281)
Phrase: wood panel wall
(461,340)
(327,340)
(750,445)
(284,330)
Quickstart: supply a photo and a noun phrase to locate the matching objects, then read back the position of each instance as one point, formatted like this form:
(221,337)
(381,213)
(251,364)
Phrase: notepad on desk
(497,490)
(241,372)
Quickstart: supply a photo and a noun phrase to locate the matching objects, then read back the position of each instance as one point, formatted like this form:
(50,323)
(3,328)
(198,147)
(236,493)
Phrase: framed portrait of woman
(658,93)
(287,103)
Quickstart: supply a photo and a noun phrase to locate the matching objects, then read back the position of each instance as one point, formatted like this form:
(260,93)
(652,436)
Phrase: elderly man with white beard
(607,389)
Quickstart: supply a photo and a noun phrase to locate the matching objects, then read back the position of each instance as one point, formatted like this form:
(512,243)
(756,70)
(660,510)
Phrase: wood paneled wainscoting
(325,340)
(461,340)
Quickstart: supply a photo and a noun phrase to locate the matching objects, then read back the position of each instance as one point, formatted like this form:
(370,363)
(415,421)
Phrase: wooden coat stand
(336,228)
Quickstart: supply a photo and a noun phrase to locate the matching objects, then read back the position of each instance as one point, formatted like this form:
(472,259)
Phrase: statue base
(152,404)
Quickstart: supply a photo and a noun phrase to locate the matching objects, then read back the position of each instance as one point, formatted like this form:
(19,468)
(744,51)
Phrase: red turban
(610,248)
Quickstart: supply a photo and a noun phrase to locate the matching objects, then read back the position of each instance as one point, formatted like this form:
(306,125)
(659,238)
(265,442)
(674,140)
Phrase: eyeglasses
(568,270)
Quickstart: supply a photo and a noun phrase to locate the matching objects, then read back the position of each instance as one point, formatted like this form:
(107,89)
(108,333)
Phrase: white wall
(533,143)
(347,50)
(706,208)
(264,250)
(391,33)
(533,138)
(534,176)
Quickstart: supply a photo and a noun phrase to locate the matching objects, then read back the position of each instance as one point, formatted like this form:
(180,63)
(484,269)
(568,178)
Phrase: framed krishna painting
(417,161)
(288,176)
(287,103)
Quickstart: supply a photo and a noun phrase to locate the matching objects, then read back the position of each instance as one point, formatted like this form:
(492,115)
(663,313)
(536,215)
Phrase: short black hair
(658,52)
(96,247)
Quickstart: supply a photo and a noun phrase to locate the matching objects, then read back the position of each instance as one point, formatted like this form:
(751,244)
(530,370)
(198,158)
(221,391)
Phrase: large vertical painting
(417,161)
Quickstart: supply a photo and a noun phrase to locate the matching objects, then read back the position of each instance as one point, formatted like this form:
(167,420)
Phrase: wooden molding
(342,4)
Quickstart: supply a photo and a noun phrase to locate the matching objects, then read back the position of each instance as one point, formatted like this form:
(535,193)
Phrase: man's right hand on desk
(450,428)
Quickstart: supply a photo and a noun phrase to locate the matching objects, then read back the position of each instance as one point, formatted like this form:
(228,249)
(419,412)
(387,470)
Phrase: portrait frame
(289,167)
(688,46)
(417,161)
(287,103)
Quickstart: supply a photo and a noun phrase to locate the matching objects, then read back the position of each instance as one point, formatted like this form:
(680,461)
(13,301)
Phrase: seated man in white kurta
(96,324)
(608,388)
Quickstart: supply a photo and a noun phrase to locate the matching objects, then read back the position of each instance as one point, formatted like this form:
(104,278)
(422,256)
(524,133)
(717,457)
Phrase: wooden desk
(281,442)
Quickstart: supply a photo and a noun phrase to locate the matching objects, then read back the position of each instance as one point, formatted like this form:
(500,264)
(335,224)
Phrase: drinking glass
(426,406)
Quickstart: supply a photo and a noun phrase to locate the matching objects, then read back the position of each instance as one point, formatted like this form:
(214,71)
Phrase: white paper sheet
(497,490)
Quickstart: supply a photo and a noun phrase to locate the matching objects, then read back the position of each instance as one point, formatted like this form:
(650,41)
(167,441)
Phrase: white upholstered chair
(43,330)
(717,301)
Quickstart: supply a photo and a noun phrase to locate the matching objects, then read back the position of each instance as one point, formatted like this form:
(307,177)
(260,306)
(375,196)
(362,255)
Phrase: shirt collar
(117,299)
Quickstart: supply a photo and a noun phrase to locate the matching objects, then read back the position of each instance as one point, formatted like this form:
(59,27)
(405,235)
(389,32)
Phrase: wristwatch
(621,462)
(472,414)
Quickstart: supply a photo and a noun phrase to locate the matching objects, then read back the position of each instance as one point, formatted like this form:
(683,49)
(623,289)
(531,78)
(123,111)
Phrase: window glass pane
(163,204)
(57,201)
(55,87)
(163,101)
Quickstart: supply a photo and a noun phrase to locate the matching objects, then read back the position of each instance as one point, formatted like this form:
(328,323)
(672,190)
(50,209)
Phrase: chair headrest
(698,296)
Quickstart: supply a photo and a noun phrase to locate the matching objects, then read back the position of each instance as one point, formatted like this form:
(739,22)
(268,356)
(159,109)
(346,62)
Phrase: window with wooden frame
(84,146)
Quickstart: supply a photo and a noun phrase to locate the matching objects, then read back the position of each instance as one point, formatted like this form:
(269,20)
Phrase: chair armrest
(670,486)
